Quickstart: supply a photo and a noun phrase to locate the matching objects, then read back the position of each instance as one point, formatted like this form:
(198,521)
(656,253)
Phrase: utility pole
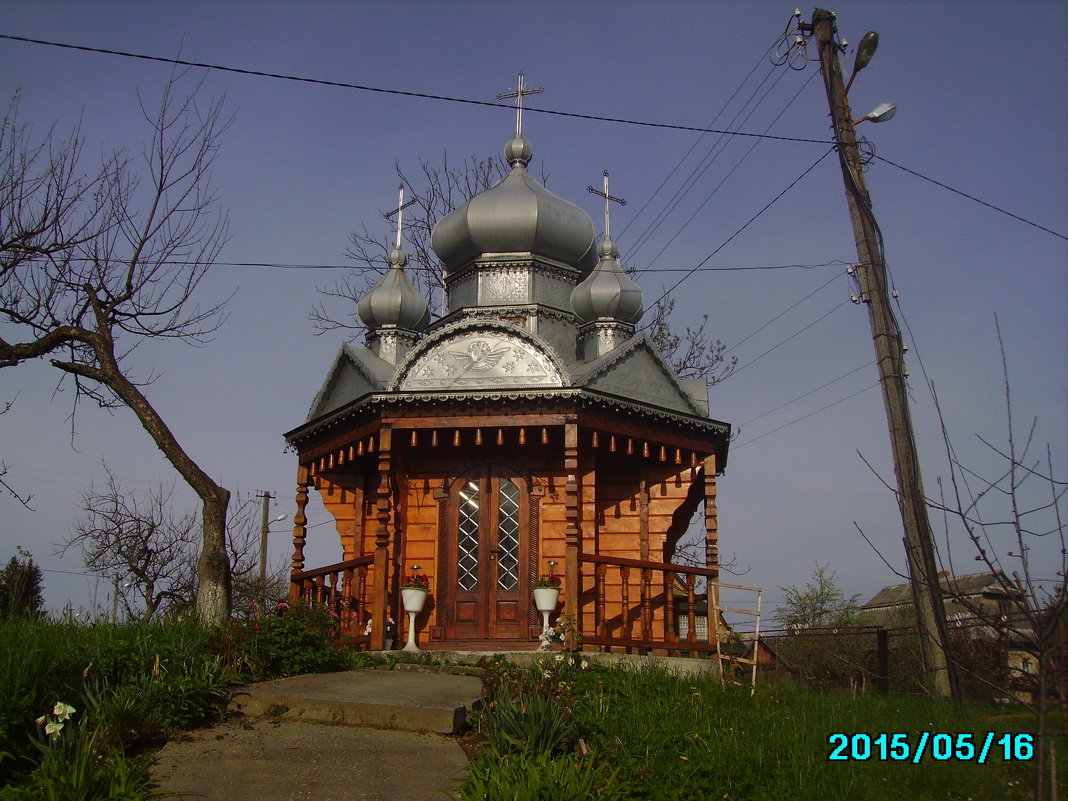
(871,276)
(263,546)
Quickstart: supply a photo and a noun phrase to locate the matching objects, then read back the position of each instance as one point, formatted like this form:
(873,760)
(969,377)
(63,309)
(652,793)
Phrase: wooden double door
(488,556)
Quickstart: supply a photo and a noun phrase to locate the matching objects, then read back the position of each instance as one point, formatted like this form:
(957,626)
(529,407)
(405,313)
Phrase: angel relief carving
(482,359)
(479,356)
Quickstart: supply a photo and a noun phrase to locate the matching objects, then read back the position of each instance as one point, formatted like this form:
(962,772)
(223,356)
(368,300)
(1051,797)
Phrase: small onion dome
(607,293)
(516,215)
(394,301)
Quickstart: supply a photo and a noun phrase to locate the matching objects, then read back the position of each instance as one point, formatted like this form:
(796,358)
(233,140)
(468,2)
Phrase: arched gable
(477,355)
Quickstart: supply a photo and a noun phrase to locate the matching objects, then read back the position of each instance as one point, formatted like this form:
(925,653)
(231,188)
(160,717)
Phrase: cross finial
(399,211)
(607,197)
(518,95)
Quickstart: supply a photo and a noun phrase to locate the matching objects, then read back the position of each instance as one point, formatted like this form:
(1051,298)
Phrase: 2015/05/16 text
(940,746)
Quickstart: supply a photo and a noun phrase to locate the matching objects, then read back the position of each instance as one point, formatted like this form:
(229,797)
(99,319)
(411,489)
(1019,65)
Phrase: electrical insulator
(904,348)
(895,293)
(854,298)
(849,270)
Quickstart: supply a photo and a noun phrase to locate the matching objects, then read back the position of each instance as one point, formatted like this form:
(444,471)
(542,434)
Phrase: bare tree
(694,354)
(243,528)
(438,190)
(1015,521)
(4,485)
(147,548)
(92,264)
(140,543)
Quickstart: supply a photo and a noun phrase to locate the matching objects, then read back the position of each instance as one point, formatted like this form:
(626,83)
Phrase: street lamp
(869,43)
(881,113)
(263,546)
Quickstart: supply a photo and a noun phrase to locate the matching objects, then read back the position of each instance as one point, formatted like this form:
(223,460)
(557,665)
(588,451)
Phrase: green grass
(673,738)
(131,685)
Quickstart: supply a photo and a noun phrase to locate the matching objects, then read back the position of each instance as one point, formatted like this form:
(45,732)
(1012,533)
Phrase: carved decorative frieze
(504,286)
(481,358)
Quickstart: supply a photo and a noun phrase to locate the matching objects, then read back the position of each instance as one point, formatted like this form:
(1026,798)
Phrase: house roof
(970,585)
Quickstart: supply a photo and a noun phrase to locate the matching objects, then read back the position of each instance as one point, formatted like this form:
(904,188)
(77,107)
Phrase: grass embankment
(82,706)
(562,732)
(555,731)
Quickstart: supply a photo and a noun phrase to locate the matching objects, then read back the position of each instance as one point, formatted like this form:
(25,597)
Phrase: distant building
(990,633)
(964,597)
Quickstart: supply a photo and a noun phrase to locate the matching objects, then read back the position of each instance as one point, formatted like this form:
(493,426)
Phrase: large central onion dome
(516,215)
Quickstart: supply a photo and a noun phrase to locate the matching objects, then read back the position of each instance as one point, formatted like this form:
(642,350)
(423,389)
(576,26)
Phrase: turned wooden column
(379,597)
(572,530)
(712,540)
(300,530)
(643,515)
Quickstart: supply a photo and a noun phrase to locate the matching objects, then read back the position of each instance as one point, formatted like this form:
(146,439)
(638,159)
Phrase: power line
(469,101)
(707,160)
(807,394)
(782,314)
(399,92)
(748,222)
(736,446)
(696,142)
(370,267)
(773,49)
(787,339)
(729,173)
(971,197)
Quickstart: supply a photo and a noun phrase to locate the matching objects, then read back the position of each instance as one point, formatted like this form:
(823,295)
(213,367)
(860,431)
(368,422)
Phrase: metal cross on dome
(518,95)
(607,197)
(399,211)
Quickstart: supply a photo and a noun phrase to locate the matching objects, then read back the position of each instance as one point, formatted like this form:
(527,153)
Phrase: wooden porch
(596,494)
(625,606)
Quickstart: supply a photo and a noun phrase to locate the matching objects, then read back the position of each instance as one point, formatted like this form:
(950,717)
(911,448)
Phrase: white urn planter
(545,599)
(414,600)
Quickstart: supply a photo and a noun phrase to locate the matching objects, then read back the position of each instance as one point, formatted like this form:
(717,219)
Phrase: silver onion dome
(516,215)
(608,293)
(394,302)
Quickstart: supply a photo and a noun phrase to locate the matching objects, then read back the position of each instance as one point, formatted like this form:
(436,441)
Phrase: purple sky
(981,93)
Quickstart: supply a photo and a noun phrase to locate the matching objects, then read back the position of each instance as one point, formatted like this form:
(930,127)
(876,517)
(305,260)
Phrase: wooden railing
(342,588)
(634,603)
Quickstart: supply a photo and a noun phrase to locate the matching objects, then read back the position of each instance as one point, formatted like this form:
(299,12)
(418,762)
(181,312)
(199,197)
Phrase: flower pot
(414,599)
(545,598)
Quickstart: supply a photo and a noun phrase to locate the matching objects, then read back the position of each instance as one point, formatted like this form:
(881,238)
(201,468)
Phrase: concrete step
(413,701)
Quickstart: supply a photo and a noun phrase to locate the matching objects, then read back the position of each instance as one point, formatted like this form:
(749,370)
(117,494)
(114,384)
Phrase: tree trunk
(213,567)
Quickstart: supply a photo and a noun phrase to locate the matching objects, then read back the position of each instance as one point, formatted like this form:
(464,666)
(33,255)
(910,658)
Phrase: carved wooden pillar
(300,529)
(712,541)
(643,515)
(572,531)
(381,569)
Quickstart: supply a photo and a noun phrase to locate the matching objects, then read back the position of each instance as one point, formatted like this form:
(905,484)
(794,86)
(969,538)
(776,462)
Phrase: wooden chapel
(531,429)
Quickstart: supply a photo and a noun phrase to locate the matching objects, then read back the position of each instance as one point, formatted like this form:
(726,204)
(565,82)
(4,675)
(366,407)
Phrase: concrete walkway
(354,736)
(362,735)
